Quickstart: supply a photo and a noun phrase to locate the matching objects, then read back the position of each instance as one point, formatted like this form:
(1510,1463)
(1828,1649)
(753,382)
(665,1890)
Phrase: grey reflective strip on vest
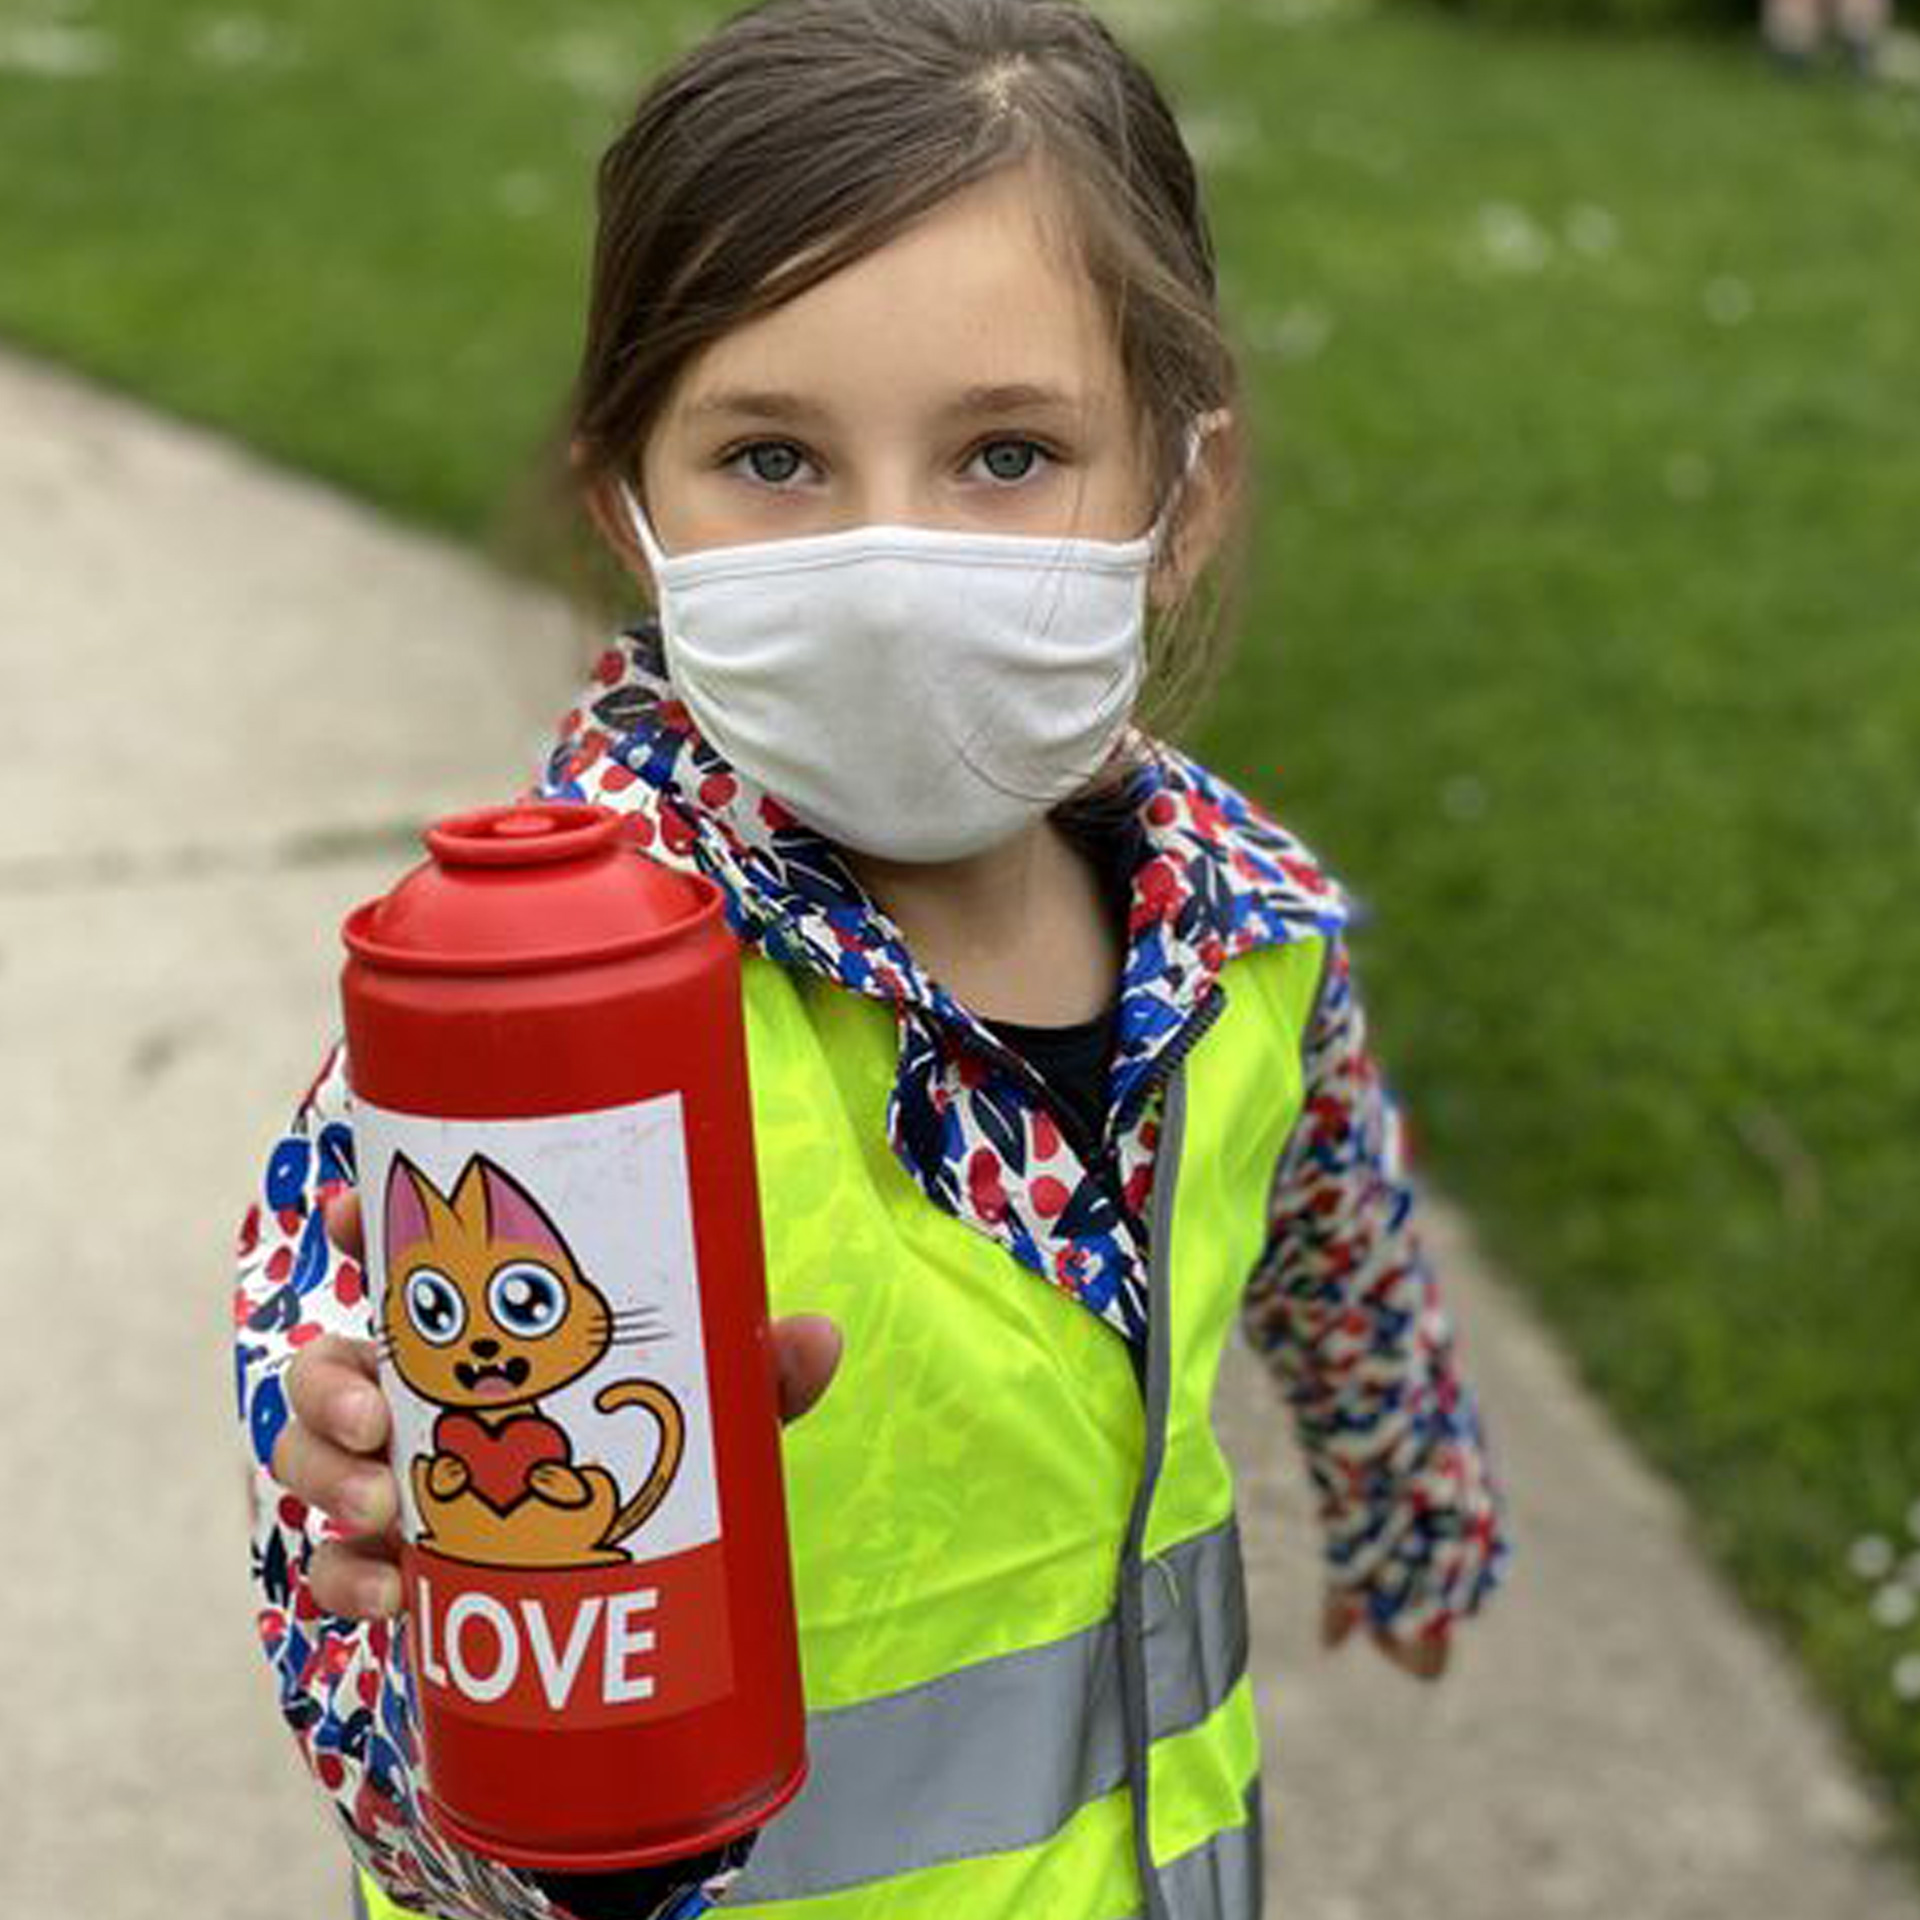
(1001,1754)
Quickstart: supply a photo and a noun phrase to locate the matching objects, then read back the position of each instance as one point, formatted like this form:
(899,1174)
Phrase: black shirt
(1074,1062)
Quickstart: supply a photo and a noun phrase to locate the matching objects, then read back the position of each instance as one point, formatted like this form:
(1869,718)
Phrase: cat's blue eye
(527,1299)
(435,1308)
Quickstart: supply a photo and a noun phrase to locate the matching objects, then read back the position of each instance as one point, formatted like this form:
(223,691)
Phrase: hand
(333,1452)
(1425,1659)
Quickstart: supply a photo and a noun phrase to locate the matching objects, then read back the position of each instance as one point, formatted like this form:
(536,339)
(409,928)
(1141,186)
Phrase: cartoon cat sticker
(486,1314)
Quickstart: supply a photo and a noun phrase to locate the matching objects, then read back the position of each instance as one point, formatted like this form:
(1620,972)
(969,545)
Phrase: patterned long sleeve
(1346,1313)
(342,1684)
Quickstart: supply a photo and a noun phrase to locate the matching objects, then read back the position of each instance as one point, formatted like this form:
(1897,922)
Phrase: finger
(359,1579)
(335,1389)
(342,1213)
(807,1351)
(357,1492)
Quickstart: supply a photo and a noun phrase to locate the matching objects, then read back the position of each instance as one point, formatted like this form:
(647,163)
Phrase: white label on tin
(538,1313)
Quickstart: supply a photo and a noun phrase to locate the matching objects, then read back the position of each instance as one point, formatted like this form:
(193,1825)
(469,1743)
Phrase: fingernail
(357,1412)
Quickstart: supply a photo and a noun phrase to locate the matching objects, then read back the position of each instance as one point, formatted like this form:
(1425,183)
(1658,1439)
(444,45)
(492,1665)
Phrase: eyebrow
(1019,397)
(754,405)
(770,404)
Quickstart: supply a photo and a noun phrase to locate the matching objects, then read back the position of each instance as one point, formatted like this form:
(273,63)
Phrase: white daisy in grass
(1510,240)
(1906,1678)
(1895,1605)
(1872,1556)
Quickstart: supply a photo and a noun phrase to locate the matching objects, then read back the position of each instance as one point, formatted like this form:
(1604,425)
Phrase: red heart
(500,1459)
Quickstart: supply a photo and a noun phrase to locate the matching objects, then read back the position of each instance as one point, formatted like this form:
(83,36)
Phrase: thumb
(806,1350)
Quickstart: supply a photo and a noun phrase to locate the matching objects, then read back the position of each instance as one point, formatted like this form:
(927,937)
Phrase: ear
(1204,513)
(510,1211)
(406,1206)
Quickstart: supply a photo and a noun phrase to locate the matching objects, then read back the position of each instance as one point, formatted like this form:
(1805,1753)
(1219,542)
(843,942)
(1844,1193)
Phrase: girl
(906,402)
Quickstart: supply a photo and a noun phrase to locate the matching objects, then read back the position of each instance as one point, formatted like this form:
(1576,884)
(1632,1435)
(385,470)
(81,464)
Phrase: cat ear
(407,1191)
(512,1213)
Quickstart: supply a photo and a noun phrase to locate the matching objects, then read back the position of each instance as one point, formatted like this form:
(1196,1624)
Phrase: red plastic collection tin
(556,1169)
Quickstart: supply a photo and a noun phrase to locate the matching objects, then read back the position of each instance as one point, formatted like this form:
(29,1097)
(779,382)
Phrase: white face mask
(911,693)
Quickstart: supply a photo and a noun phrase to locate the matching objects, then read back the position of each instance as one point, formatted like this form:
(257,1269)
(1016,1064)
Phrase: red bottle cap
(533,886)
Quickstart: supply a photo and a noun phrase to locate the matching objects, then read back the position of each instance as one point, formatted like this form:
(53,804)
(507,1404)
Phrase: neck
(980,901)
(1017,933)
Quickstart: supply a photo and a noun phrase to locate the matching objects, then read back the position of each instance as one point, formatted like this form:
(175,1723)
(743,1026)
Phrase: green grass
(1584,633)
(1580,637)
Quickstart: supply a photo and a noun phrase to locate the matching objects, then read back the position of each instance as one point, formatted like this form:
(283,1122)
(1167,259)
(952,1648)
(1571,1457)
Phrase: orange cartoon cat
(486,1311)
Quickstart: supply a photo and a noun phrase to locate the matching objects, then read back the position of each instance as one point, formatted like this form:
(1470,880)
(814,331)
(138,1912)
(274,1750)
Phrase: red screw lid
(528,887)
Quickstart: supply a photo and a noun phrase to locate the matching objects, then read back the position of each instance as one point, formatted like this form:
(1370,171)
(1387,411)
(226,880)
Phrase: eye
(527,1299)
(1008,462)
(773,463)
(434,1306)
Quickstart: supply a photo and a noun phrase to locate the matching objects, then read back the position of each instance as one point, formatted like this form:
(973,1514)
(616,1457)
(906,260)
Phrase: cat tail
(673,1441)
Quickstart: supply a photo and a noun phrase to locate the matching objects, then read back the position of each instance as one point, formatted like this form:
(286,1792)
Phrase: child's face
(964,377)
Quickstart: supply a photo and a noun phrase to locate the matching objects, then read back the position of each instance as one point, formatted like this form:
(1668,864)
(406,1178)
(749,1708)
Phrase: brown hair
(806,134)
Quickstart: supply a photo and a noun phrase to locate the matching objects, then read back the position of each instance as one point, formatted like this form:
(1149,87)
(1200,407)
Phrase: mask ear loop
(643,530)
(1197,436)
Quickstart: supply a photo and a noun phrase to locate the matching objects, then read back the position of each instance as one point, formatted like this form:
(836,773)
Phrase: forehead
(987,290)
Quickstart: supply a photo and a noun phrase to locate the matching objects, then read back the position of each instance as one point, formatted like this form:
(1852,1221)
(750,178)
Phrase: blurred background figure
(1796,30)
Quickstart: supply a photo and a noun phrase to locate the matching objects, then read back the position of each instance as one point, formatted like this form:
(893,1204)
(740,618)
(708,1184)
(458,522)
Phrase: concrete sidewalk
(226,697)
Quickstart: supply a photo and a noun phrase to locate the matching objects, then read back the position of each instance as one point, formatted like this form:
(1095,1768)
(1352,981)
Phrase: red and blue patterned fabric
(1342,1306)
